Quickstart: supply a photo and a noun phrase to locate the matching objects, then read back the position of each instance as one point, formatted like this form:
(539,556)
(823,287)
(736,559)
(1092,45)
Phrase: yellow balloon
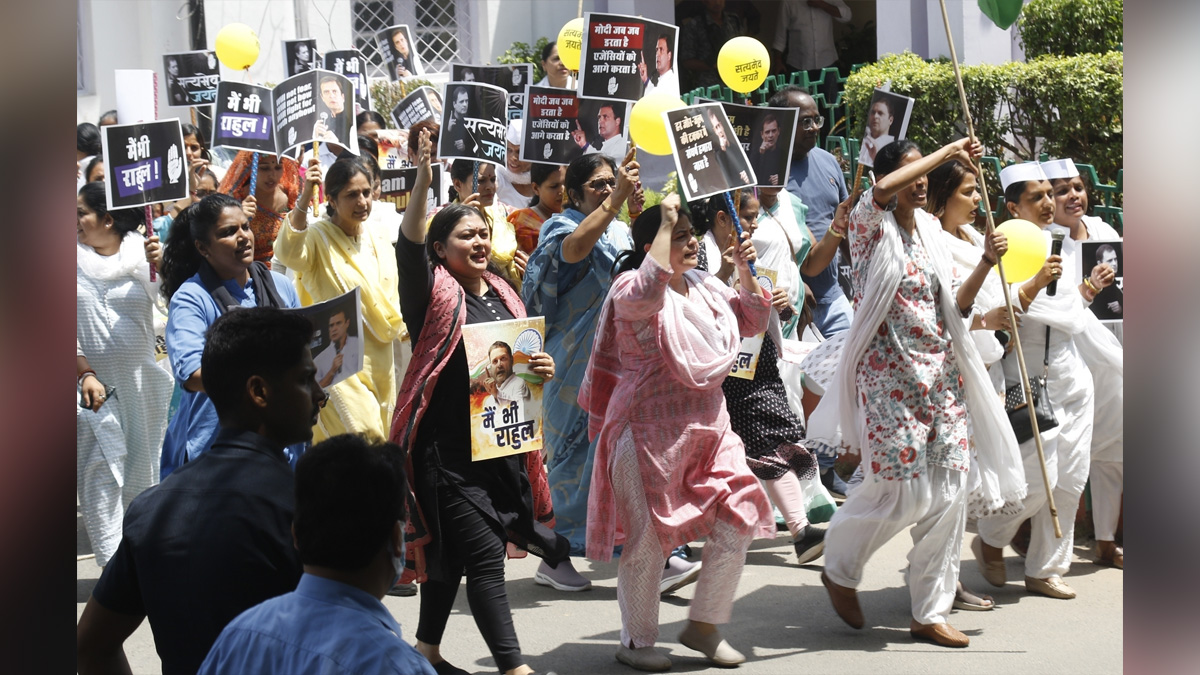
(743,64)
(570,43)
(647,127)
(237,46)
(1027,250)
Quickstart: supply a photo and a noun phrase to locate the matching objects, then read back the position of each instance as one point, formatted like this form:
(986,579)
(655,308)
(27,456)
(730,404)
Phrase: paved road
(782,620)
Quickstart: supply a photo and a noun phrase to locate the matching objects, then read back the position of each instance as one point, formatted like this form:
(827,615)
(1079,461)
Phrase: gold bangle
(1021,292)
(1087,281)
(605,209)
(833,230)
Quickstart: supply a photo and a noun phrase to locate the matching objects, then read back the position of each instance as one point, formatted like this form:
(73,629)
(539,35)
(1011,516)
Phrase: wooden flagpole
(991,226)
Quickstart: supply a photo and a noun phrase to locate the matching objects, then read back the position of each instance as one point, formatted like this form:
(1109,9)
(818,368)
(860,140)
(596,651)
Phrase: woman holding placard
(1057,325)
(208,267)
(274,195)
(123,400)
(668,466)
(567,277)
(333,256)
(465,511)
(907,376)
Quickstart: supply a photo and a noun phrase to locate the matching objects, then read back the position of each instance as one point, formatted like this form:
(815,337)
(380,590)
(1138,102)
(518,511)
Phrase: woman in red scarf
(465,512)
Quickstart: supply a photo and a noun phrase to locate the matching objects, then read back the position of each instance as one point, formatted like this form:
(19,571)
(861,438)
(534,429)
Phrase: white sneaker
(677,574)
(563,578)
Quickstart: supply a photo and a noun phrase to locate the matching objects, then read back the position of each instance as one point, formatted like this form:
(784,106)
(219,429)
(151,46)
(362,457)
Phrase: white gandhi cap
(1017,173)
(516,129)
(1060,168)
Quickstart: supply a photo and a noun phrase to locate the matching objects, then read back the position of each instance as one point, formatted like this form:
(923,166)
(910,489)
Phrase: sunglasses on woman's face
(201,194)
(601,183)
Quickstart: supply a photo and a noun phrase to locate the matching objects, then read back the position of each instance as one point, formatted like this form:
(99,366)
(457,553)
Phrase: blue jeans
(833,316)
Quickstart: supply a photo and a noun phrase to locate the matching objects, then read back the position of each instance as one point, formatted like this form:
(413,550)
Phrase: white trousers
(935,504)
(1107,486)
(640,570)
(1067,454)
(787,494)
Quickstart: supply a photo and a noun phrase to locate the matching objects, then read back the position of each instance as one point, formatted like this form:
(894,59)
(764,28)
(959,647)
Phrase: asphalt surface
(782,621)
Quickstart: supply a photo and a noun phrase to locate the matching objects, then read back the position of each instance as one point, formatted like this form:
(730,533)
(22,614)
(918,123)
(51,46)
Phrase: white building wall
(136,33)
(917,25)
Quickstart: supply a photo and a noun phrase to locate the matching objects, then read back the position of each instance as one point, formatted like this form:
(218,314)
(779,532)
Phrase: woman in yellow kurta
(332,256)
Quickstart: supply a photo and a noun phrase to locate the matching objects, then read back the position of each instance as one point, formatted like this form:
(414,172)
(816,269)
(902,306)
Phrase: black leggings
(474,542)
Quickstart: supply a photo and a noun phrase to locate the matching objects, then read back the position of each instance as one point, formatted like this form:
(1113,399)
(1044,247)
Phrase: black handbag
(1014,402)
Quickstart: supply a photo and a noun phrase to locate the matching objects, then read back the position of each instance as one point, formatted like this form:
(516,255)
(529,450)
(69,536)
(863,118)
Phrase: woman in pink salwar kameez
(668,468)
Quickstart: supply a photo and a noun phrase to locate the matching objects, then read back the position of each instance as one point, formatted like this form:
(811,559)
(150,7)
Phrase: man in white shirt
(342,356)
(608,125)
(664,59)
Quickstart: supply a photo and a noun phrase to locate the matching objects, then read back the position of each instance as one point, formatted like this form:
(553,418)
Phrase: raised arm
(413,224)
(964,150)
(824,251)
(577,245)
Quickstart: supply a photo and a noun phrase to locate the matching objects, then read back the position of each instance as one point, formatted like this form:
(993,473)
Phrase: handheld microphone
(1056,244)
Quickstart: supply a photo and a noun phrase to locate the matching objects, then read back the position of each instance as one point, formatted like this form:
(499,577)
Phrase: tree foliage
(1071,27)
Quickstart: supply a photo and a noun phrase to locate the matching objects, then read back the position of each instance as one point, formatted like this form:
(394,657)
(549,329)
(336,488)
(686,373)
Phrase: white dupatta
(835,422)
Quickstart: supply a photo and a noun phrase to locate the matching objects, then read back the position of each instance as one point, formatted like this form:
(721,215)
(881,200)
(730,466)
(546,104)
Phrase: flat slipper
(971,602)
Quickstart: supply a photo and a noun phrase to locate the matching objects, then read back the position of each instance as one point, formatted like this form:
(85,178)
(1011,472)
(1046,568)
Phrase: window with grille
(441,29)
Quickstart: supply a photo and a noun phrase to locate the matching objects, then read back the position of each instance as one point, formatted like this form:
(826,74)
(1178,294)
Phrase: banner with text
(353,65)
(312,106)
(560,125)
(243,118)
(506,396)
(765,135)
(192,78)
(398,185)
(707,157)
(143,163)
(474,123)
(626,57)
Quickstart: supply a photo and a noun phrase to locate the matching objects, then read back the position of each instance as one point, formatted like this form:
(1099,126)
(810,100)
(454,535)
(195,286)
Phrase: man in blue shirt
(816,179)
(349,529)
(213,539)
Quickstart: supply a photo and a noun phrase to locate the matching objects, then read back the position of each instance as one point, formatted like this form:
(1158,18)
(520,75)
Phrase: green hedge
(1070,105)
(1071,27)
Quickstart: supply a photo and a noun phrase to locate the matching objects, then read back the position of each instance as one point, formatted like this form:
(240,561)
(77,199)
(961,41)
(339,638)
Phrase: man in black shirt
(214,538)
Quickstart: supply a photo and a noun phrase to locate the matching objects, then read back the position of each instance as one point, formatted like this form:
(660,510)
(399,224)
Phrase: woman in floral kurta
(904,401)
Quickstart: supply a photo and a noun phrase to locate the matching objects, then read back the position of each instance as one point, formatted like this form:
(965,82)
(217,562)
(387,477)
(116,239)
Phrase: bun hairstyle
(888,158)
(124,220)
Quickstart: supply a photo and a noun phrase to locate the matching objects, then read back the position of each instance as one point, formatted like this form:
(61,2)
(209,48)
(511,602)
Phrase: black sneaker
(809,545)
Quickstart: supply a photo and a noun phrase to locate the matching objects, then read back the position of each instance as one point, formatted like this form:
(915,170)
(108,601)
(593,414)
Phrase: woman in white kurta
(1067,447)
(118,438)
(1108,432)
